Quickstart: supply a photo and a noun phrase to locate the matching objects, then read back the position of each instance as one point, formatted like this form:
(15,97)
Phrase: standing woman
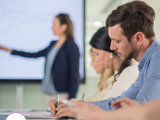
(61,74)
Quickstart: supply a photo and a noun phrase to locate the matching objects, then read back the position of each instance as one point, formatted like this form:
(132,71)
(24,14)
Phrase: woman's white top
(124,81)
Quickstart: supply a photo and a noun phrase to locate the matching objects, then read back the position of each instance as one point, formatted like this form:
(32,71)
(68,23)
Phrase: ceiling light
(97,23)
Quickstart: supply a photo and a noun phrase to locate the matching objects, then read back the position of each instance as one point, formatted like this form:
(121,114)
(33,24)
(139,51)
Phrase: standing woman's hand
(6,49)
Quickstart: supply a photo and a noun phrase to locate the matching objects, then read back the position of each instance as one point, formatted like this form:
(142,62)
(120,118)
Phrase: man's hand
(53,109)
(65,112)
(52,105)
(86,111)
(124,102)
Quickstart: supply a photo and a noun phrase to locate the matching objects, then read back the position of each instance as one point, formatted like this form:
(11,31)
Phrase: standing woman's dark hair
(65,19)
(102,41)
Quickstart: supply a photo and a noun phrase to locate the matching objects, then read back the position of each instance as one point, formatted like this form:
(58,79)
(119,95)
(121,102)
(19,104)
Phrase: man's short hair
(133,17)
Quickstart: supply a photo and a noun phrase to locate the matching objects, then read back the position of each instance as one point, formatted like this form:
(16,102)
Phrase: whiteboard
(26,25)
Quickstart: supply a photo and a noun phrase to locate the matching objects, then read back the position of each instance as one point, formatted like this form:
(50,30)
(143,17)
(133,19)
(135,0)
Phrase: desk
(32,114)
(3,117)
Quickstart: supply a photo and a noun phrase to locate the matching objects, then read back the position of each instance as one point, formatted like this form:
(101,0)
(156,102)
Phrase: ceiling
(98,10)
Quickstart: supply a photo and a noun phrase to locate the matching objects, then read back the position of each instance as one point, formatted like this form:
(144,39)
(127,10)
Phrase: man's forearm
(104,104)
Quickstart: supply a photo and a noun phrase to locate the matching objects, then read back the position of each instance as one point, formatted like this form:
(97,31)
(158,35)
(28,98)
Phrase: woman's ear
(64,27)
(111,55)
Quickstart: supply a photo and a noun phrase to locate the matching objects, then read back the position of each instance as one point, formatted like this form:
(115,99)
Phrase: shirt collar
(154,44)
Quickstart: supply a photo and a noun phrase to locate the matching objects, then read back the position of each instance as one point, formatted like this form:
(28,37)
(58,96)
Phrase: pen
(83,96)
(57,102)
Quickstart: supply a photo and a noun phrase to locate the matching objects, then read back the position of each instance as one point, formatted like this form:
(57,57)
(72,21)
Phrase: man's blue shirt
(147,85)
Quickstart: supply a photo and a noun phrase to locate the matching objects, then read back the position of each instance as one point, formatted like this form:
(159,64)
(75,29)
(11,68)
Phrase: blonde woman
(105,81)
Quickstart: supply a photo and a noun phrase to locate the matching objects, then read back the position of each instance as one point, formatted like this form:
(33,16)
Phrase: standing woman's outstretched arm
(27,54)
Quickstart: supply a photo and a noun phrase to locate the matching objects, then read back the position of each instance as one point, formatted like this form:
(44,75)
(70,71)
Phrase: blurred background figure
(105,81)
(61,74)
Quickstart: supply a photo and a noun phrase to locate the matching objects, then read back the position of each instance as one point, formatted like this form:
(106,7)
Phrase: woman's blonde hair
(107,73)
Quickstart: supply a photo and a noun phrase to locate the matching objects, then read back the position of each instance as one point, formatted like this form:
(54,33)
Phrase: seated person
(105,81)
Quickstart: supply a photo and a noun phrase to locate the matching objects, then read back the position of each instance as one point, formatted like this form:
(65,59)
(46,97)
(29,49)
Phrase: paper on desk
(38,115)
(42,115)
(23,110)
(15,110)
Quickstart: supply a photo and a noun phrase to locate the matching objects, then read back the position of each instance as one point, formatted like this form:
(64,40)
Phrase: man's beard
(130,56)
